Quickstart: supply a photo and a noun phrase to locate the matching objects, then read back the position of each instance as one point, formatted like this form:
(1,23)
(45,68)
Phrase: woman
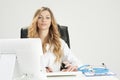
(54,48)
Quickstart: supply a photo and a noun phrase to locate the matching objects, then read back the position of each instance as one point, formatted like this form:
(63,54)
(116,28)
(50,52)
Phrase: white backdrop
(94,26)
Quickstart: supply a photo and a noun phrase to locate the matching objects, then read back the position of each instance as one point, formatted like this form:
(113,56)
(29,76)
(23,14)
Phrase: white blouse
(49,57)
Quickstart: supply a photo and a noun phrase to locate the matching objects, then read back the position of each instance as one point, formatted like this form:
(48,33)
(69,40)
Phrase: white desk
(82,77)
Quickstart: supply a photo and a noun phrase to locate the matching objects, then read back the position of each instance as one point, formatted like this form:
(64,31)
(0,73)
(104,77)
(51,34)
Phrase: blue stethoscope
(89,68)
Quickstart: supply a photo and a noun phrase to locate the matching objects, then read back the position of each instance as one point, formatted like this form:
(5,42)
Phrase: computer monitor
(28,52)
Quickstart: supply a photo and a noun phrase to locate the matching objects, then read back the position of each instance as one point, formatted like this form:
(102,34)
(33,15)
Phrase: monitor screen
(28,52)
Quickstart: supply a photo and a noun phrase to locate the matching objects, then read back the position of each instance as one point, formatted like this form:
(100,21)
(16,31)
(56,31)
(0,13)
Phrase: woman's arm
(69,59)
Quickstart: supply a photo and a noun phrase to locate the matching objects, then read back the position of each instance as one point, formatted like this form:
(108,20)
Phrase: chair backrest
(62,29)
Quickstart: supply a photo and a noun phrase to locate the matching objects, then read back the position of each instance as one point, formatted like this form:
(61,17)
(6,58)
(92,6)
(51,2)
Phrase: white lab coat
(49,57)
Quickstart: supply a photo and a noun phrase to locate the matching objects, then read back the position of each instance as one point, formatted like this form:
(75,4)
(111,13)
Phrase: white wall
(94,26)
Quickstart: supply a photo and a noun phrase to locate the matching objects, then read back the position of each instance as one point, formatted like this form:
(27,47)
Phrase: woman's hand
(70,68)
(48,69)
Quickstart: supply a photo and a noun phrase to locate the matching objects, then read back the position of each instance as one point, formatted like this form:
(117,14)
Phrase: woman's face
(44,20)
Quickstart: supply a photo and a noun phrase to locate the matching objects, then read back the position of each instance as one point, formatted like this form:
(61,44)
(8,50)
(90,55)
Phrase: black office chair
(62,29)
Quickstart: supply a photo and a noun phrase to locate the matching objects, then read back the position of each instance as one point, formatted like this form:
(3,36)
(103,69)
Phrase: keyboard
(61,74)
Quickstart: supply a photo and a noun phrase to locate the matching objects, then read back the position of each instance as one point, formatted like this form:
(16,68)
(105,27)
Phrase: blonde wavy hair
(53,37)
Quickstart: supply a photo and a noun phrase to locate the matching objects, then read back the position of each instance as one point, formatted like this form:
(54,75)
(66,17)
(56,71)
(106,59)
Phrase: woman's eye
(39,17)
(47,17)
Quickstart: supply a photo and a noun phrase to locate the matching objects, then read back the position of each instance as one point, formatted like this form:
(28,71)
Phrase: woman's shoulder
(63,43)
